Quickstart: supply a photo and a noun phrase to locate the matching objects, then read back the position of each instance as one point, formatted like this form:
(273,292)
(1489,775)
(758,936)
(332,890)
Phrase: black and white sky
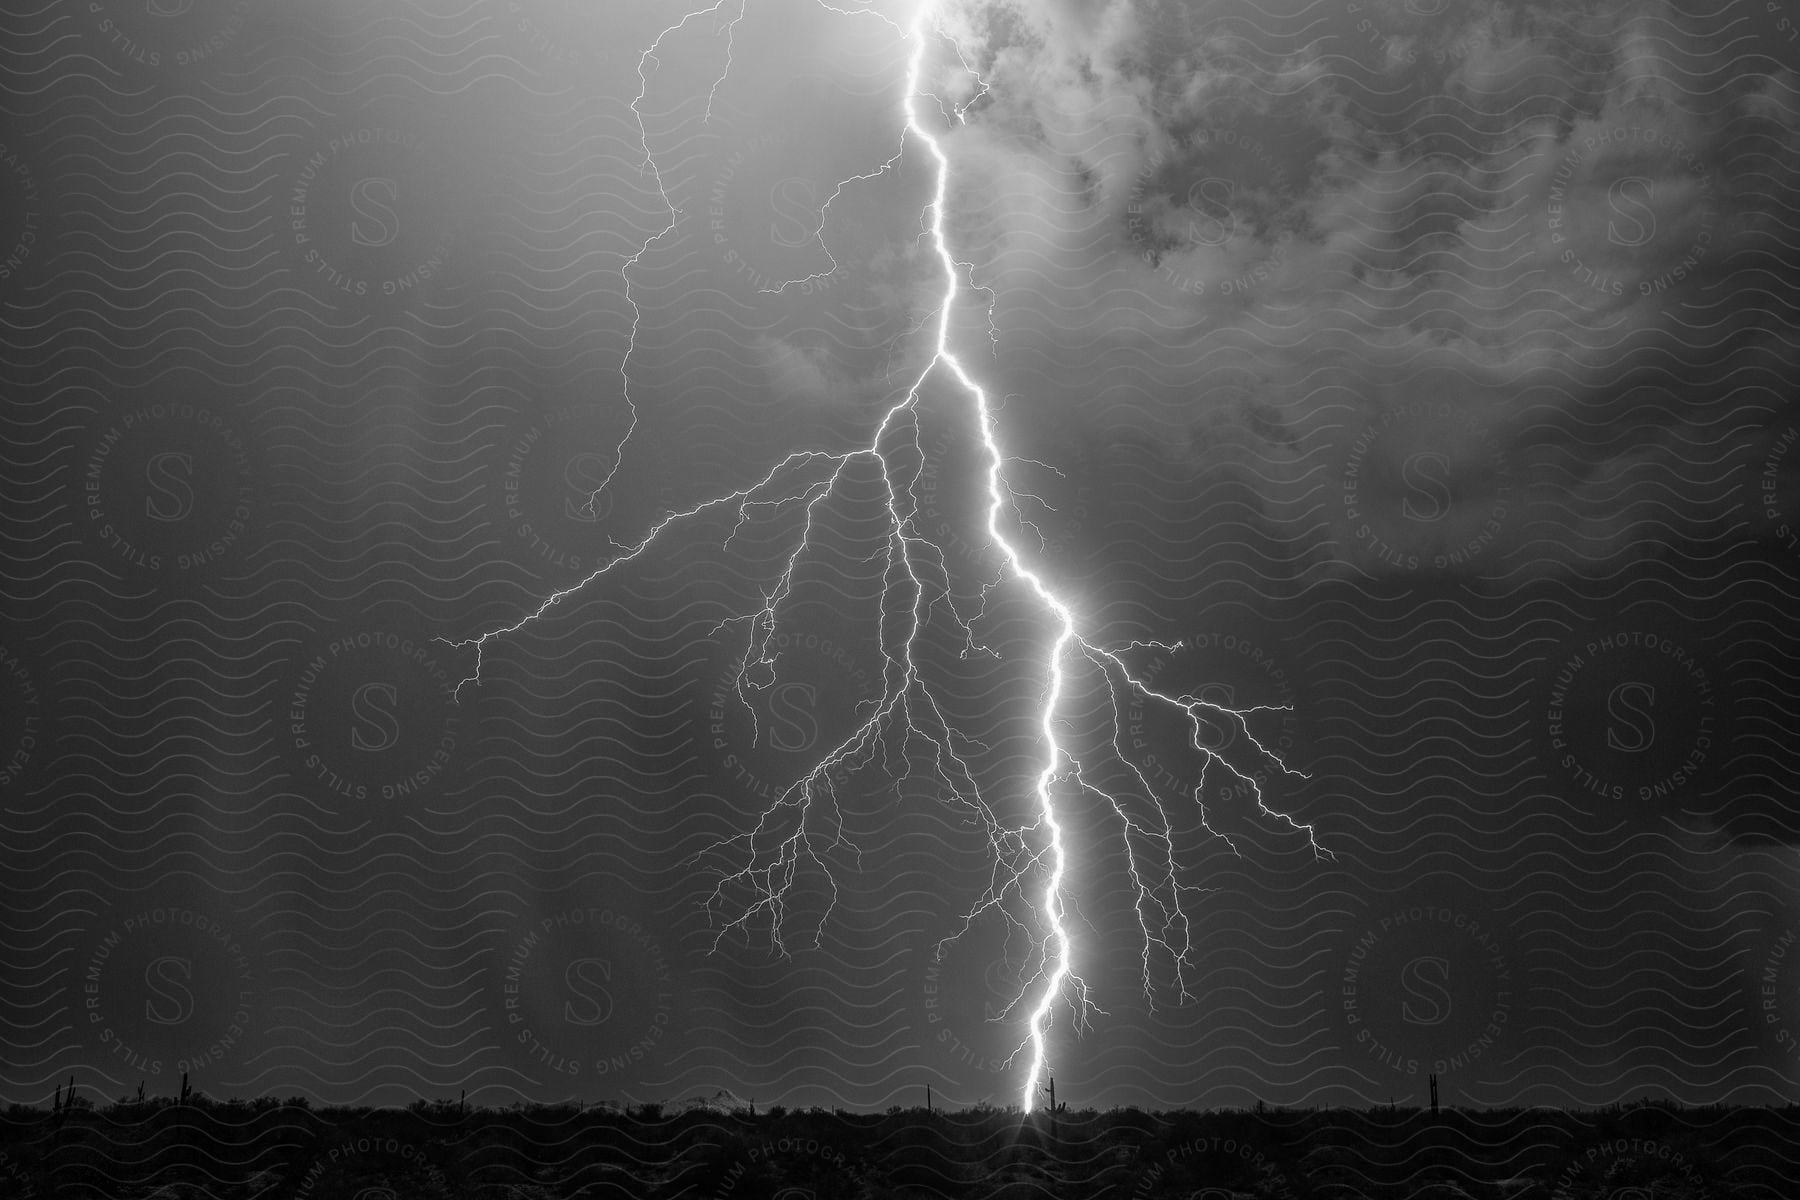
(1422,367)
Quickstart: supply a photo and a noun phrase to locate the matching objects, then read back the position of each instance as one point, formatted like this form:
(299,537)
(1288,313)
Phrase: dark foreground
(277,1151)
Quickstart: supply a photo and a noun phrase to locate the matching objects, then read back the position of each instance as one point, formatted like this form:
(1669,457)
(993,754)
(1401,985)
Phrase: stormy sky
(1422,367)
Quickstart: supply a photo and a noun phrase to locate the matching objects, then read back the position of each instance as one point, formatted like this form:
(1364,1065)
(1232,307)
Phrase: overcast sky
(1423,367)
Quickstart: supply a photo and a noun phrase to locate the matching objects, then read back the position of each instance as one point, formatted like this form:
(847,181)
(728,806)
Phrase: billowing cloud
(1522,283)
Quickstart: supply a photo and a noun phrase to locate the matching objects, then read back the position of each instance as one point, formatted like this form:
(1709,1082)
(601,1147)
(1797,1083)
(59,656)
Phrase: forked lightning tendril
(1030,861)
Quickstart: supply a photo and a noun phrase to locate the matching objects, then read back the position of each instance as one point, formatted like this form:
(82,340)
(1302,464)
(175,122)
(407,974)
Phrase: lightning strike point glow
(1030,863)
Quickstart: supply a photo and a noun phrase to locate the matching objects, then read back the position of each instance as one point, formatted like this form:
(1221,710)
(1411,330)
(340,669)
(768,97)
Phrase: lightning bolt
(1030,861)
(648,164)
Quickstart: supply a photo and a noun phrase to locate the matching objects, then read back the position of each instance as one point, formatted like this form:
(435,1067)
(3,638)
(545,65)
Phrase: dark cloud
(1561,224)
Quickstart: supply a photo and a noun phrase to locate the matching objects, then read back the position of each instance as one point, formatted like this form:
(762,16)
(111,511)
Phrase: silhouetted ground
(277,1150)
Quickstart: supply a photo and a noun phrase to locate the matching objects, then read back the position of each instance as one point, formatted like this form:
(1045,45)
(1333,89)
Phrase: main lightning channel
(807,479)
(1052,910)
(1059,954)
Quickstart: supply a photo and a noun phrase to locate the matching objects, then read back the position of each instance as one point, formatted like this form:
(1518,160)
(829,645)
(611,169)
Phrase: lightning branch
(1029,880)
